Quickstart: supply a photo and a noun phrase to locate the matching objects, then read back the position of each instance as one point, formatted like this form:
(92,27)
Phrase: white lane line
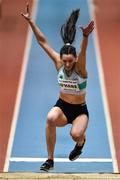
(103,88)
(20,91)
(88,160)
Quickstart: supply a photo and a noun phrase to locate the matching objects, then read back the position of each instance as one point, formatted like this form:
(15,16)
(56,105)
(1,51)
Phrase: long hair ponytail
(68,32)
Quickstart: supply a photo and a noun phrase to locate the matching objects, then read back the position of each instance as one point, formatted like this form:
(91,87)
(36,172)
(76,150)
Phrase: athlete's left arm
(81,62)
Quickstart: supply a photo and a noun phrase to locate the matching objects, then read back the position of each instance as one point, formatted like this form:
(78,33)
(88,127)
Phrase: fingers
(27,7)
(91,25)
(81,28)
(26,15)
(88,29)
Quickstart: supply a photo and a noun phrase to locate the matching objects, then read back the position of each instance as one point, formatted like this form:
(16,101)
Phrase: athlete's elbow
(41,41)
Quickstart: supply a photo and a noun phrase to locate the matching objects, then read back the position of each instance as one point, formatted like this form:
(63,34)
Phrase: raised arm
(41,38)
(81,63)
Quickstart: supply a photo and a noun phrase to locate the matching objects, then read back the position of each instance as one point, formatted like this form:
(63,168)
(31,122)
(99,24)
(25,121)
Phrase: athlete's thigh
(57,117)
(79,125)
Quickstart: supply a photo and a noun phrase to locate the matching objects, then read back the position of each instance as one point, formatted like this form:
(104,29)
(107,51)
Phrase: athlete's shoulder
(59,65)
(82,74)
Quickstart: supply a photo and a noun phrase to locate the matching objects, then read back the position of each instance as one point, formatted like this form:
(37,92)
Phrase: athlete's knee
(76,136)
(51,119)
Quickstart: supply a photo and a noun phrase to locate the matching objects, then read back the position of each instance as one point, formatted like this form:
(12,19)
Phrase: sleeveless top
(73,84)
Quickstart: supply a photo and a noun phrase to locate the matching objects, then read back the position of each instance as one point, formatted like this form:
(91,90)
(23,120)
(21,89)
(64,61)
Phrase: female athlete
(72,78)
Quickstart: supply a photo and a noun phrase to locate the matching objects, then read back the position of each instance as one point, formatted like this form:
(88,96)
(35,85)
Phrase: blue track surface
(41,92)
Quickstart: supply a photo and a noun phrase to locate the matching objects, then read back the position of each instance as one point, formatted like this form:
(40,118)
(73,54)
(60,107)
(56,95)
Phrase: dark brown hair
(68,32)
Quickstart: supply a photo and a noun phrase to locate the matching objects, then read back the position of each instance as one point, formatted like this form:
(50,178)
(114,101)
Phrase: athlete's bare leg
(78,134)
(78,129)
(55,118)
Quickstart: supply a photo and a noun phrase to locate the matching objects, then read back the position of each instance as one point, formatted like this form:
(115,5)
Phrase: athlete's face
(68,61)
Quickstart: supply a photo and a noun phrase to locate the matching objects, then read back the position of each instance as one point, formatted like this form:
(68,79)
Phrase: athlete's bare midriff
(72,99)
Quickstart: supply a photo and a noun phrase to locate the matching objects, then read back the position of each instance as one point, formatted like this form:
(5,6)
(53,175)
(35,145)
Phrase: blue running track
(40,93)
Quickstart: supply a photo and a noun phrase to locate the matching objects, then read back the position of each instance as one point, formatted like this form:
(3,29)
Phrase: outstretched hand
(88,29)
(27,14)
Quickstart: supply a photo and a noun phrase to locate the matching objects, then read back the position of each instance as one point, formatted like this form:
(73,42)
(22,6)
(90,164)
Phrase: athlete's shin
(50,139)
(81,141)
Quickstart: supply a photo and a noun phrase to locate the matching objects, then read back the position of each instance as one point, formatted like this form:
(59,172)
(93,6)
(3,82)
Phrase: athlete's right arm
(42,40)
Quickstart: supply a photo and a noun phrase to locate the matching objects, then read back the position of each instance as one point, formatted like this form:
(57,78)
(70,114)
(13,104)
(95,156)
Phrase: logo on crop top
(61,77)
(68,84)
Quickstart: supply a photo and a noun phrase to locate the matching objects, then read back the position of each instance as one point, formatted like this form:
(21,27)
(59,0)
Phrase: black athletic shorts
(72,111)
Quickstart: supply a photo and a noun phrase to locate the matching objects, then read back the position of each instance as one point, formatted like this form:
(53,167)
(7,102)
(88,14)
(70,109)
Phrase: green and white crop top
(74,84)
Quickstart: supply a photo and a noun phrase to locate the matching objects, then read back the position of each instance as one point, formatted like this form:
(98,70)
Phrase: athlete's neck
(69,72)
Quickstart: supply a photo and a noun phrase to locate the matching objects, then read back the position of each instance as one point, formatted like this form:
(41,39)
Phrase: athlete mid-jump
(72,78)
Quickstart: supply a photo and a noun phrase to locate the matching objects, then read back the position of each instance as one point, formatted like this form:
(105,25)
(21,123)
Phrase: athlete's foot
(47,165)
(75,153)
